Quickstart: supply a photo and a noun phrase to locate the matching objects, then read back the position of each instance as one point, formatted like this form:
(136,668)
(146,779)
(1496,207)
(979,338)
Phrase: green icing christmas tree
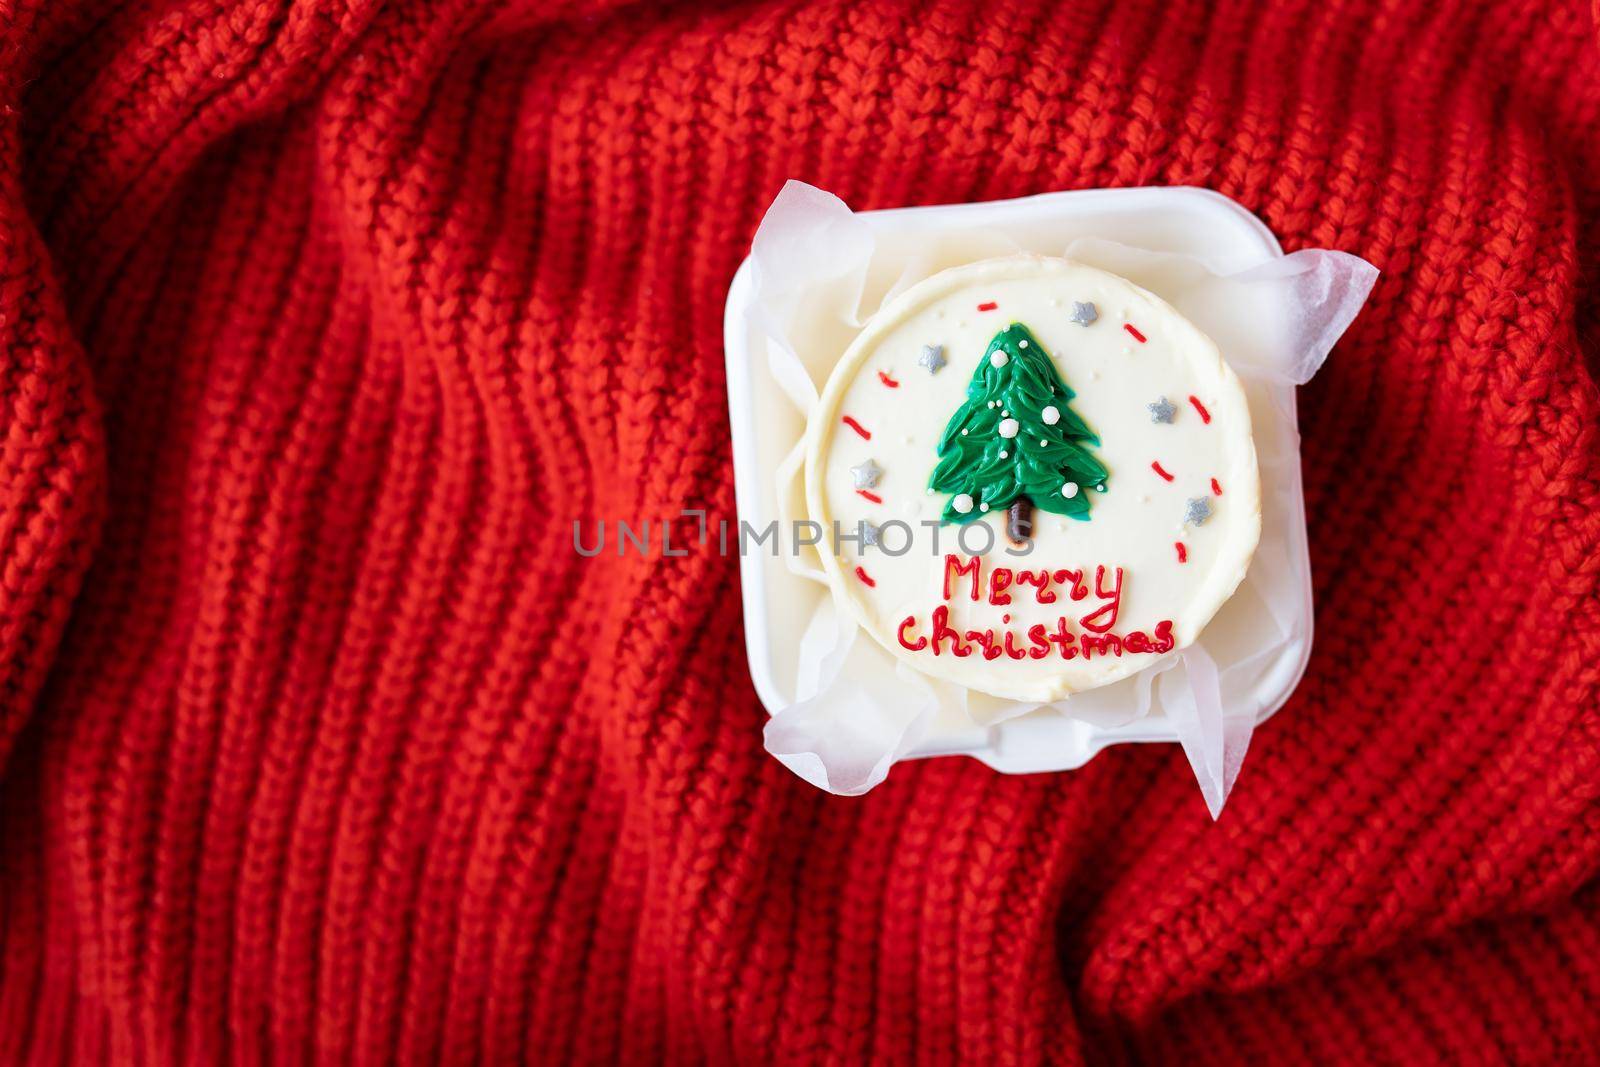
(1016,443)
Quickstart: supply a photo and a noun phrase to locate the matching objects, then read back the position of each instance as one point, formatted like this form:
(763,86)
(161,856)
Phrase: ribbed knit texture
(321,321)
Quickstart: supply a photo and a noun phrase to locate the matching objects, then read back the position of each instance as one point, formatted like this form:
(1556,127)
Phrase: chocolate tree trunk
(1019,521)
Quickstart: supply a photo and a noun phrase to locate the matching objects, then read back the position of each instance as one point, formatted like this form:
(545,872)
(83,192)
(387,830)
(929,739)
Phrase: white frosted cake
(1043,476)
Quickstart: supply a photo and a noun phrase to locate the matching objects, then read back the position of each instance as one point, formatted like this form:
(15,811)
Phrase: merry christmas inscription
(1048,586)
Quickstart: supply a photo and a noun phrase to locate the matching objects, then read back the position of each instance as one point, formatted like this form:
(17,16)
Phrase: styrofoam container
(766,426)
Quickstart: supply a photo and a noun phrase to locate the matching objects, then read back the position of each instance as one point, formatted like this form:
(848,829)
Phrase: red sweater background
(320,322)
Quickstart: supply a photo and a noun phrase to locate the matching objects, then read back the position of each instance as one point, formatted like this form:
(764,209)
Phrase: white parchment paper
(820,273)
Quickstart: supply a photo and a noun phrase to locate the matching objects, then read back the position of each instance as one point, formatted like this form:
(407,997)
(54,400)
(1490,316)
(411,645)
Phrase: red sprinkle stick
(874,497)
(1156,466)
(1216,489)
(987,305)
(888,379)
(861,572)
(1205,416)
(1137,336)
(866,434)
(1183,553)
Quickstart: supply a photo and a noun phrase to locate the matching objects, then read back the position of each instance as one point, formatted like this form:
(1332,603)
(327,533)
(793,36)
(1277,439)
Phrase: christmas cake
(1032,478)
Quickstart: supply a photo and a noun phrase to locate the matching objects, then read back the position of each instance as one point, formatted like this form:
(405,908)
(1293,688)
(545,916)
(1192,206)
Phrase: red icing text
(1084,632)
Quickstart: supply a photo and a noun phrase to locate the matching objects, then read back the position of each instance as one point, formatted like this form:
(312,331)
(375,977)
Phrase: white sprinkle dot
(1069,490)
(1043,443)
(962,503)
(999,359)
(1022,344)
(1009,428)
(1004,454)
(963,433)
(983,507)
(1051,415)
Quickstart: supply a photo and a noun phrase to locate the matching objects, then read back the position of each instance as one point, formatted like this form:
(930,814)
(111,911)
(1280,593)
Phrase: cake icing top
(1043,476)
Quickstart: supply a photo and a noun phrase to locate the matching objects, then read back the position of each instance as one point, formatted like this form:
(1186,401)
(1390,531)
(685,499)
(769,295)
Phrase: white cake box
(1185,245)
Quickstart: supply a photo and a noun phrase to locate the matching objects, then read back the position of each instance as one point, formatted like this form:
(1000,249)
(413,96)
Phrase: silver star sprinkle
(932,357)
(1198,512)
(1162,410)
(866,475)
(869,534)
(1083,313)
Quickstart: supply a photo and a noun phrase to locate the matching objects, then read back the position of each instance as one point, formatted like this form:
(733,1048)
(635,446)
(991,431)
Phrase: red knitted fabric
(320,322)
